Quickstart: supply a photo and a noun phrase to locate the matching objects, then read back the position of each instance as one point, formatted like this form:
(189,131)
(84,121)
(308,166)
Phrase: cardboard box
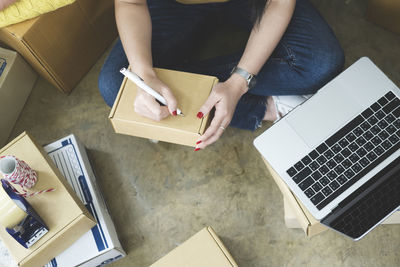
(64,44)
(297,216)
(191,91)
(385,13)
(65,215)
(16,82)
(202,249)
(100,245)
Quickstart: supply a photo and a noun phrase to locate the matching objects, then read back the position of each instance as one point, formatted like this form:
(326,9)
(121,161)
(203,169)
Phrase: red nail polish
(200,115)
(174,113)
(197,149)
(198,142)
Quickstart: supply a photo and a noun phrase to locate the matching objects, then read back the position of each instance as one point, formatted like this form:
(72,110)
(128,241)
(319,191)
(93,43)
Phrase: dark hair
(257,10)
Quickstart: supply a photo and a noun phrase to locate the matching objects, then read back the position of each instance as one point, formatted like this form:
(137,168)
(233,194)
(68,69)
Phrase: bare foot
(271,112)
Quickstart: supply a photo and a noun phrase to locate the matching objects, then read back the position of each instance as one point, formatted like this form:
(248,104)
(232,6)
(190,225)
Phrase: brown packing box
(202,249)
(191,91)
(385,13)
(61,210)
(64,44)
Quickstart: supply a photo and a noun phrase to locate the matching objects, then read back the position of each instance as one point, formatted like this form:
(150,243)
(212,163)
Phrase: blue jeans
(307,57)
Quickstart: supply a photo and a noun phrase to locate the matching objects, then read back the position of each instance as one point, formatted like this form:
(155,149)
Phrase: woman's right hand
(147,106)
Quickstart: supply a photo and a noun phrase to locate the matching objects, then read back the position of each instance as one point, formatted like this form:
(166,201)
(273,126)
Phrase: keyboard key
(306,160)
(367,113)
(317,198)
(380,114)
(358,131)
(324,181)
(323,170)
(346,152)
(396,112)
(309,192)
(394,139)
(397,123)
(390,118)
(334,185)
(356,168)
(369,146)
(360,141)
(306,183)
(338,158)
(375,129)
(316,175)
(391,106)
(342,179)
(343,143)
(313,154)
(368,135)
(382,124)
(353,147)
(372,120)
(390,129)
(347,163)
(361,152)
(291,172)
(375,106)
(371,156)
(302,175)
(336,148)
(382,101)
(322,148)
(376,141)
(299,166)
(328,154)
(313,165)
(383,135)
(327,191)
(351,137)
(331,175)
(364,162)
(390,95)
(331,164)
(349,174)
(365,126)
(386,145)
(339,169)
(354,158)
(379,150)
(321,159)
(317,186)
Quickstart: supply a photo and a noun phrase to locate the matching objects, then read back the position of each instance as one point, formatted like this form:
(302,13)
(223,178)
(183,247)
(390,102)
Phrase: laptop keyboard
(350,153)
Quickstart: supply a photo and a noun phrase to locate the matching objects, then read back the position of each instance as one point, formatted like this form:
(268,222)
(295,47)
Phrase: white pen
(139,82)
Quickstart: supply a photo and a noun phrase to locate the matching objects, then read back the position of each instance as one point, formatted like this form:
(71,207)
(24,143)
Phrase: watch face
(252,82)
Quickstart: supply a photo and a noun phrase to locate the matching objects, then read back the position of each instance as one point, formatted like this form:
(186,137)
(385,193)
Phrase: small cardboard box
(297,216)
(202,249)
(64,44)
(61,210)
(385,13)
(16,82)
(100,245)
(191,91)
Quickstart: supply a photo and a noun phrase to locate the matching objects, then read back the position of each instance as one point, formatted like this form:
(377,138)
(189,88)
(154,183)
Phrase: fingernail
(200,115)
(174,113)
(197,149)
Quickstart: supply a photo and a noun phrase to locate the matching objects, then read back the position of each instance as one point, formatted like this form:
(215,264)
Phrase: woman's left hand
(224,97)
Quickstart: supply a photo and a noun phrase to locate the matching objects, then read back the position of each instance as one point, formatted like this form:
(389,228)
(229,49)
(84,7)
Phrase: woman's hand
(224,97)
(147,106)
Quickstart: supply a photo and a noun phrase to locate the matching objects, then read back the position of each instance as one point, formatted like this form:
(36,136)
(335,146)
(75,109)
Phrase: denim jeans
(307,57)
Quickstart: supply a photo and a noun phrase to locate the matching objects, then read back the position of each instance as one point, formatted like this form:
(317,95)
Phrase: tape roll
(10,213)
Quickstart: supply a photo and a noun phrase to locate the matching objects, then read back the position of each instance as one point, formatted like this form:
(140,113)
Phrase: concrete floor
(161,194)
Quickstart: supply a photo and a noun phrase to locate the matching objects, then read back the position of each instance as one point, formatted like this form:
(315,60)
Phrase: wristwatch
(250,78)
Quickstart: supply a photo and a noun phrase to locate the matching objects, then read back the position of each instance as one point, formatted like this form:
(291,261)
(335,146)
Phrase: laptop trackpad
(323,114)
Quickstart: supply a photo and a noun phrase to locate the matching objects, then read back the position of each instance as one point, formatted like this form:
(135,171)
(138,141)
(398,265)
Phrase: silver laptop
(339,151)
